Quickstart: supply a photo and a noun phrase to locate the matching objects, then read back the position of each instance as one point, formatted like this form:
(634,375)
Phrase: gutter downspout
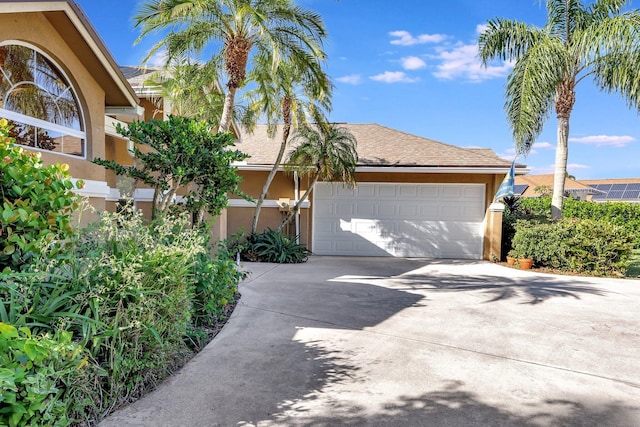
(297,196)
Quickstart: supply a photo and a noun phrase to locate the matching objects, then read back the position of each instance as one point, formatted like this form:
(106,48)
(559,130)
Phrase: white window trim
(43,124)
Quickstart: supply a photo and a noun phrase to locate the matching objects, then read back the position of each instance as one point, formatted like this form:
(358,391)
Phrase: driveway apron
(411,342)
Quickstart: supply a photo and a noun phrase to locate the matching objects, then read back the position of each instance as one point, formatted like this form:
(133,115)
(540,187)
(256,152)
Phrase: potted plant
(519,257)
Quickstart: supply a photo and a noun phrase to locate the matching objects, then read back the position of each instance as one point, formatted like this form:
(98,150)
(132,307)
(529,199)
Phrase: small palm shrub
(575,245)
(272,246)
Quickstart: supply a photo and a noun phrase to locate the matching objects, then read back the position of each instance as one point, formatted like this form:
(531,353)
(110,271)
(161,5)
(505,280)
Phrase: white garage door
(403,220)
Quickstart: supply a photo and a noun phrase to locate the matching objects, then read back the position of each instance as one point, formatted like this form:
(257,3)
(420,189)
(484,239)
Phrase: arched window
(39,102)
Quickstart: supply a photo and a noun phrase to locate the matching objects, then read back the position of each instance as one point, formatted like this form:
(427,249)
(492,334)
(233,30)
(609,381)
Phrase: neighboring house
(542,185)
(615,190)
(63,92)
(415,197)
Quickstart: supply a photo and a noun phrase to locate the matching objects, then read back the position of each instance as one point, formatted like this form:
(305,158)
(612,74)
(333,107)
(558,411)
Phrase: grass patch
(634,264)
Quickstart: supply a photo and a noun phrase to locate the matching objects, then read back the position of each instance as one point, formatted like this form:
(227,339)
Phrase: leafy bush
(37,202)
(216,285)
(130,291)
(182,154)
(623,214)
(582,246)
(272,246)
(37,377)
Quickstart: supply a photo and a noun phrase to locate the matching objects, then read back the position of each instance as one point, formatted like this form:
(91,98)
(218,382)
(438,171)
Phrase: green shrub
(37,202)
(582,246)
(137,280)
(271,246)
(216,285)
(623,214)
(37,375)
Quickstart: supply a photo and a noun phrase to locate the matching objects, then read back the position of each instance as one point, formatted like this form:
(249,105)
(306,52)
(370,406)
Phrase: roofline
(409,169)
(86,30)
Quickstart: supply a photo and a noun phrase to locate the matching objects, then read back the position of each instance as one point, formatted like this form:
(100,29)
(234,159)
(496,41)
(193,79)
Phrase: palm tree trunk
(227,110)
(272,174)
(296,208)
(560,168)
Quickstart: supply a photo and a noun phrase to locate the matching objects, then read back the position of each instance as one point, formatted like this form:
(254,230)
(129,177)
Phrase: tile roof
(381,146)
(534,181)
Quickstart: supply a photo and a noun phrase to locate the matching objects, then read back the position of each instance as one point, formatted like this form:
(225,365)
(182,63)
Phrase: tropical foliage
(324,152)
(235,29)
(37,202)
(97,316)
(274,246)
(182,154)
(599,40)
(292,96)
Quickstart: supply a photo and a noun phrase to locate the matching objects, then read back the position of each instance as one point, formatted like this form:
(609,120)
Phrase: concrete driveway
(407,342)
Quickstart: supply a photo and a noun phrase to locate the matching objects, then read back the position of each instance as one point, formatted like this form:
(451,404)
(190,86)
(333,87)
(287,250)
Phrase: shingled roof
(380,146)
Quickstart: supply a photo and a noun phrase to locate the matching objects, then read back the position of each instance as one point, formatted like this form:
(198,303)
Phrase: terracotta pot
(511,260)
(525,263)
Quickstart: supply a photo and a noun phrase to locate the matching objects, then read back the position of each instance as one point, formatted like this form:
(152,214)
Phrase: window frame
(43,124)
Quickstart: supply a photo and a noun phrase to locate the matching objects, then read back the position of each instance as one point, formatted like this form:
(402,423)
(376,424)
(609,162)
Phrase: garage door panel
(407,220)
(387,191)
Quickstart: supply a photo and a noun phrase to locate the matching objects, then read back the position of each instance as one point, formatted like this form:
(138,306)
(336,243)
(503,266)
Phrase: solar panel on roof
(631,194)
(615,195)
(599,197)
(519,189)
(618,187)
(634,186)
(603,187)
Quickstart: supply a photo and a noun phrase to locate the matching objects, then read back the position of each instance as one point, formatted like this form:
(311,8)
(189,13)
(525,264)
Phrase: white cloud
(412,63)
(404,38)
(572,166)
(352,79)
(462,61)
(605,140)
(481,28)
(544,144)
(158,59)
(393,77)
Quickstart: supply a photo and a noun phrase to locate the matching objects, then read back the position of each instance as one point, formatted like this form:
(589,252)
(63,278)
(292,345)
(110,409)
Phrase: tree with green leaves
(600,40)
(291,95)
(182,154)
(235,28)
(324,152)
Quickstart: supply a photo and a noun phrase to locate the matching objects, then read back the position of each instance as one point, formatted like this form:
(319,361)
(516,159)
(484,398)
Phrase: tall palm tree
(236,28)
(325,152)
(292,95)
(599,40)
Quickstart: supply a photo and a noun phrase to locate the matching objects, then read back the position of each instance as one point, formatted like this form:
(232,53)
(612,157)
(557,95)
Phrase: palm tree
(324,153)
(237,27)
(191,88)
(577,42)
(291,94)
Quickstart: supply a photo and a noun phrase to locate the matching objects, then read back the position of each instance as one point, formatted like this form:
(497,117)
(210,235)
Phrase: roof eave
(87,32)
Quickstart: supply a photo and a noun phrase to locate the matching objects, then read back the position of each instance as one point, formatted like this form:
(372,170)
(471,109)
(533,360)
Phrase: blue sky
(412,65)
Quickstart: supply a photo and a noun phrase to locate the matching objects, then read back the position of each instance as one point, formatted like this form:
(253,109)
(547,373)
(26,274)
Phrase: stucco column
(219,227)
(493,232)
